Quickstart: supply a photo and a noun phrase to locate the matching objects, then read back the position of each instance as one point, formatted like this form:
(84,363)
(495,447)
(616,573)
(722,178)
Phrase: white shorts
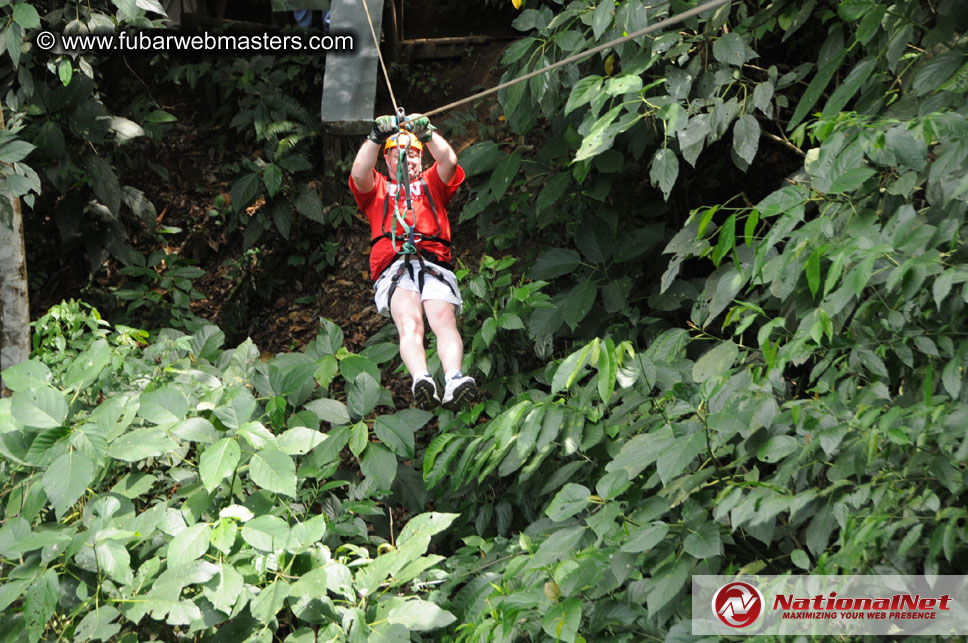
(434,288)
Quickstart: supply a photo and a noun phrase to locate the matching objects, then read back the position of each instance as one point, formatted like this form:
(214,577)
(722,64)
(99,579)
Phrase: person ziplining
(410,259)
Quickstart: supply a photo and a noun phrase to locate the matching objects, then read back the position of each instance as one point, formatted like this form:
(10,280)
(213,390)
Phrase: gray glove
(419,125)
(383,128)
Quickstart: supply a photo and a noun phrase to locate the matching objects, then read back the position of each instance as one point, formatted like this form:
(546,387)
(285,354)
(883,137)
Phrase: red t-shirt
(372,204)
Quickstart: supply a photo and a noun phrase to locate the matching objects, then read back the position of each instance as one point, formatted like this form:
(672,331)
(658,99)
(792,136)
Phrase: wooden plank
(350,78)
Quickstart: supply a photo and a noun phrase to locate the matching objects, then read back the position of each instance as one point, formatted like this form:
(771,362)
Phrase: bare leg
(408,317)
(450,347)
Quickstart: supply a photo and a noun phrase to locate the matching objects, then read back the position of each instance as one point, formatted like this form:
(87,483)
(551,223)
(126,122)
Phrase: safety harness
(409,247)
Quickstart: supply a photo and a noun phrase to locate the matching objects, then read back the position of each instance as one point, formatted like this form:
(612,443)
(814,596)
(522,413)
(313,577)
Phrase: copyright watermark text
(157,42)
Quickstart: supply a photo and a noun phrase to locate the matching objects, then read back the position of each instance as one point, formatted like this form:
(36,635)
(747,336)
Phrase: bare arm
(363,164)
(444,154)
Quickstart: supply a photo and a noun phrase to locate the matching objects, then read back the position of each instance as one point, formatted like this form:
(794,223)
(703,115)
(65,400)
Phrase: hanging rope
(376,43)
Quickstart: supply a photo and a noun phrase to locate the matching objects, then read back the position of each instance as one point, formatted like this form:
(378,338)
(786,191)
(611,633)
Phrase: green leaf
(332,411)
(273,470)
(813,270)
(552,190)
(664,171)
(602,17)
(951,378)
(832,54)
(245,189)
(578,302)
(15,151)
(679,454)
(238,409)
(799,558)
(358,439)
(851,85)
(224,589)
(936,72)
(26,375)
(86,367)
(715,362)
(730,49)
(645,537)
(98,625)
(140,444)
(307,203)
(363,395)
(272,178)
(851,179)
(555,262)
(777,448)
(562,619)
(269,601)
(267,533)
(627,84)
(704,542)
(218,461)
(396,433)
(558,546)
(67,478)
(480,158)
(380,465)
(726,241)
(419,615)
(104,181)
(188,545)
(504,173)
(26,16)
(746,137)
(39,408)
(570,369)
(164,406)
(40,603)
(570,500)
(583,92)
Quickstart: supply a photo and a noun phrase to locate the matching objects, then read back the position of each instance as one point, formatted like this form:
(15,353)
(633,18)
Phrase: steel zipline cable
(671,20)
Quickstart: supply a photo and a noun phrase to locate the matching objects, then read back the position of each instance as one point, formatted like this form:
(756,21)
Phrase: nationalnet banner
(789,605)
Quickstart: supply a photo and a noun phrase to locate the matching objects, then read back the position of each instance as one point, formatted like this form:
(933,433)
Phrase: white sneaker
(425,393)
(459,391)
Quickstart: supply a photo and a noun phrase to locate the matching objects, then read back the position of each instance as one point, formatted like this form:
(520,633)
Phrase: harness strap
(425,267)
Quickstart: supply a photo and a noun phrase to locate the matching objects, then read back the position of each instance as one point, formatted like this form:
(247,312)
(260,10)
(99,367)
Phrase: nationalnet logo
(836,605)
(738,604)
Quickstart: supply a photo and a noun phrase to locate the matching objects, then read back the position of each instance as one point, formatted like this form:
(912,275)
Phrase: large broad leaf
(746,137)
(504,173)
(246,188)
(731,49)
(268,533)
(851,85)
(664,171)
(189,545)
(67,479)
(715,362)
(140,444)
(332,411)
(562,619)
(40,408)
(238,409)
(87,366)
(679,454)
(578,303)
(25,375)
(363,395)
(396,432)
(558,546)
(218,462)
(570,500)
(832,54)
(273,470)
(555,263)
(164,406)
(480,158)
(105,182)
(704,542)
(583,92)
(380,465)
(420,615)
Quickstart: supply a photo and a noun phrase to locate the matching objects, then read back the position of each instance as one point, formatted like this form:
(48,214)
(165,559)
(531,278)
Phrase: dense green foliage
(732,338)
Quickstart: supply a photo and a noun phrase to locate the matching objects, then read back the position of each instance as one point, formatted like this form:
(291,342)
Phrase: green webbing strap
(408,247)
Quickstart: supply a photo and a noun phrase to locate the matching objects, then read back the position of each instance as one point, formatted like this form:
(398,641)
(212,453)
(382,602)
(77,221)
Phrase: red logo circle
(737,604)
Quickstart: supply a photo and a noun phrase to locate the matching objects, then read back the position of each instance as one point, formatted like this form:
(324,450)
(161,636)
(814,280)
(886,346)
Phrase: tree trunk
(14,308)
